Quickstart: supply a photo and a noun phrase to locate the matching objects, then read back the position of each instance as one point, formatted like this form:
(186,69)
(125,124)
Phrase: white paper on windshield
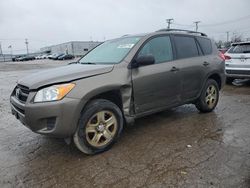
(125,45)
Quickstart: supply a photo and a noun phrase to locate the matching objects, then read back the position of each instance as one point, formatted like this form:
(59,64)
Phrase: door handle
(205,63)
(174,69)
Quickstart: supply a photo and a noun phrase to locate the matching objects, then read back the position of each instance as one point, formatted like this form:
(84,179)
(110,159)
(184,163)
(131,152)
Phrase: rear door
(193,66)
(158,85)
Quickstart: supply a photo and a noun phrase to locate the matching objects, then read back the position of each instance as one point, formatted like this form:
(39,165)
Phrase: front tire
(99,127)
(209,97)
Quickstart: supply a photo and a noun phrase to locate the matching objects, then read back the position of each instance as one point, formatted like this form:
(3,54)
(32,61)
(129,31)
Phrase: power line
(242,31)
(12,39)
(227,22)
(216,24)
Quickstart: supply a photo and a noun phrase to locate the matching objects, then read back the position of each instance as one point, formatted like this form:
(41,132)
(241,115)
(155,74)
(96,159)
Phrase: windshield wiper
(88,63)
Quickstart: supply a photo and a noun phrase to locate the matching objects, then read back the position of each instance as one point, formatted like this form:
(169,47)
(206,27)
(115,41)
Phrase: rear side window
(205,45)
(160,48)
(185,47)
(240,48)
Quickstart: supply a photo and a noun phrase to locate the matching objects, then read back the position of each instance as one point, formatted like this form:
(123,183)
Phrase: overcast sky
(47,22)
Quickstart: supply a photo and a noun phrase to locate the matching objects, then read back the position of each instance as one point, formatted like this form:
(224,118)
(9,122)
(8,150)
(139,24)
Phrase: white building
(76,48)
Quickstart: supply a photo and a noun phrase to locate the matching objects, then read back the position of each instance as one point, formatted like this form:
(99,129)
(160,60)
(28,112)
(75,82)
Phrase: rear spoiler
(240,43)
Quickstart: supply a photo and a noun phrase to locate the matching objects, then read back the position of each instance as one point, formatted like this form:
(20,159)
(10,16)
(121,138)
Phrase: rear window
(205,45)
(239,48)
(185,47)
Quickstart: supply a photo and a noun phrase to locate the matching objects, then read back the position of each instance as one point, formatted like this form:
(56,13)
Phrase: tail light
(227,57)
(222,56)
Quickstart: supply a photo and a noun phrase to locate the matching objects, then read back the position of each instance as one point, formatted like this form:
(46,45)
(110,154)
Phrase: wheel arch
(113,95)
(121,95)
(217,78)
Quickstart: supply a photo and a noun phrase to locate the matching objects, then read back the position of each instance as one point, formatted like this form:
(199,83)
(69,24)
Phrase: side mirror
(143,60)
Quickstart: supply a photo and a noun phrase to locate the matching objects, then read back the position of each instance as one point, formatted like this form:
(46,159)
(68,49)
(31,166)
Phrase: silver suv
(117,82)
(238,61)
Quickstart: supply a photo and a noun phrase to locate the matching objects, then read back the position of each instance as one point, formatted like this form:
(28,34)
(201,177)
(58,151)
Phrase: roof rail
(125,35)
(183,30)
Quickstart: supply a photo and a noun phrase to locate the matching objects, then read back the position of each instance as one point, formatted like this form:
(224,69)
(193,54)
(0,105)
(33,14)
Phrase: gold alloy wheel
(211,96)
(101,128)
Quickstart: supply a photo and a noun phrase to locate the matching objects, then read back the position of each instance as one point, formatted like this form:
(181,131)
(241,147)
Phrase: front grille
(242,72)
(21,93)
(18,109)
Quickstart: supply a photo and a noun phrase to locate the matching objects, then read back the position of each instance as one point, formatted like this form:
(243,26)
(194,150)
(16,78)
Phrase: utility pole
(227,36)
(27,45)
(169,21)
(196,25)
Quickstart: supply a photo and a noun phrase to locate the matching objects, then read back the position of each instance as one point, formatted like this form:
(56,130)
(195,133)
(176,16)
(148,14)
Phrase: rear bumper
(57,119)
(238,73)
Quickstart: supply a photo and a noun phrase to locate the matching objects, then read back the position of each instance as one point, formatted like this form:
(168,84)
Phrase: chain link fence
(5,57)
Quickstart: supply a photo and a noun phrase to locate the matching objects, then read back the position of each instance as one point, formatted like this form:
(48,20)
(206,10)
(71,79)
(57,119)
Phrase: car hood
(63,74)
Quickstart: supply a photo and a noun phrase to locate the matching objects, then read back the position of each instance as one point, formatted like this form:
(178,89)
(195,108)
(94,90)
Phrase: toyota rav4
(117,82)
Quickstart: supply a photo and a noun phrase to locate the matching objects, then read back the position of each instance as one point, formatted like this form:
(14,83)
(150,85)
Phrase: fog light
(51,122)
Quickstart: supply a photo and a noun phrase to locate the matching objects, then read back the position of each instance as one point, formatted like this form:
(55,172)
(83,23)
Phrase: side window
(185,47)
(160,48)
(206,45)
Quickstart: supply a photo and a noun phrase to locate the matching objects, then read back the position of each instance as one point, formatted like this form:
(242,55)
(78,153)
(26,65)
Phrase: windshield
(110,52)
(240,48)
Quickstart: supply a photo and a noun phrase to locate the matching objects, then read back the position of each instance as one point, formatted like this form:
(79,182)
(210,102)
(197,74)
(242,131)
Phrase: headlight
(53,93)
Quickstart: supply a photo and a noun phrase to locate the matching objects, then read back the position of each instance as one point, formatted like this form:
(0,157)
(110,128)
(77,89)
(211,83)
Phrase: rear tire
(100,125)
(209,97)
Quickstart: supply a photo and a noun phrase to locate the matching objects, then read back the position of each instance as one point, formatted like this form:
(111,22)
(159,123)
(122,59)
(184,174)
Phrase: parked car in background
(42,56)
(118,81)
(16,58)
(50,56)
(39,56)
(19,58)
(29,57)
(65,57)
(237,61)
(26,58)
(55,56)
(59,55)
(45,56)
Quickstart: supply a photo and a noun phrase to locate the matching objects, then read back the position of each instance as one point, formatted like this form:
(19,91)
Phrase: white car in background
(39,57)
(237,61)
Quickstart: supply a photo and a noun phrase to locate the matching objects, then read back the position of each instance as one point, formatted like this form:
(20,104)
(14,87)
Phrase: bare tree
(237,37)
